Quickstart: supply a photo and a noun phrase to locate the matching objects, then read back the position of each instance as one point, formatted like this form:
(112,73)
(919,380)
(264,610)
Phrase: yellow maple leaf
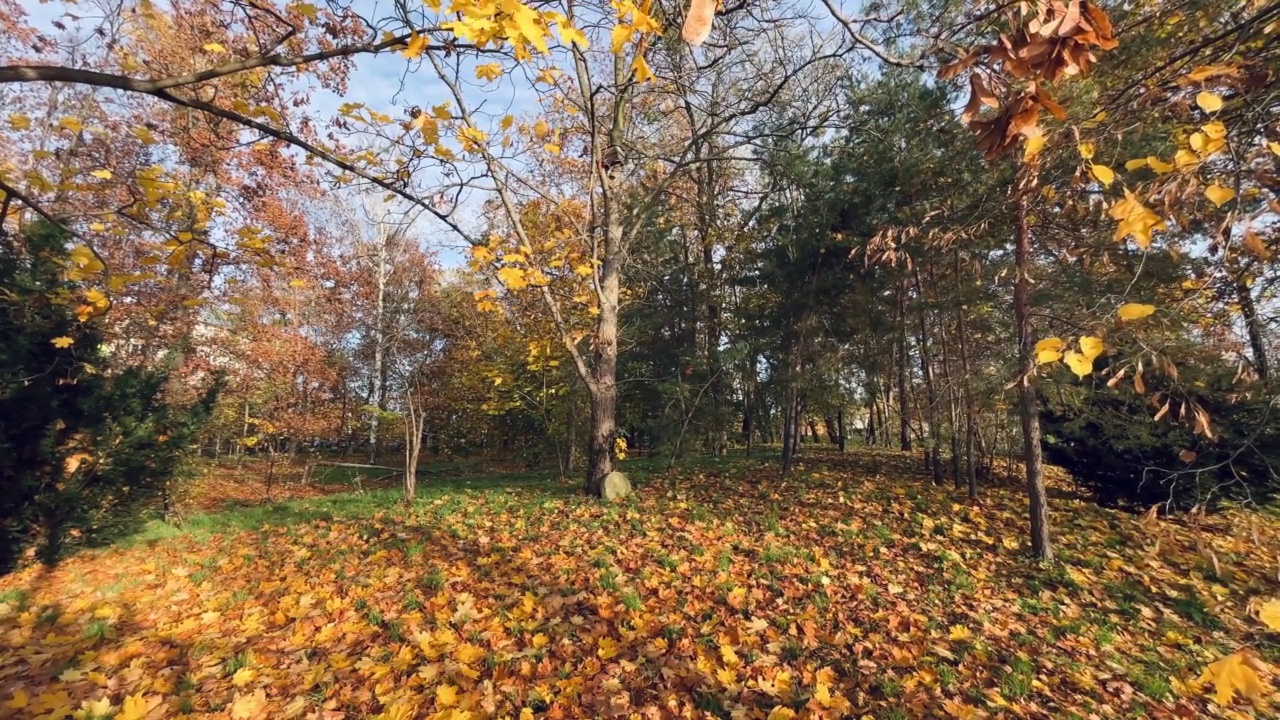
(619,37)
(489,71)
(18,121)
(96,297)
(446,695)
(137,706)
(1086,150)
(570,35)
(782,713)
(99,708)
(471,138)
(482,254)
(641,68)
(1134,311)
(1269,614)
(512,278)
(523,25)
(607,648)
(18,700)
(71,123)
(243,677)
(214,48)
(248,707)
(402,709)
(1136,220)
(1234,673)
(466,653)
(959,633)
(416,45)
(961,710)
(62,342)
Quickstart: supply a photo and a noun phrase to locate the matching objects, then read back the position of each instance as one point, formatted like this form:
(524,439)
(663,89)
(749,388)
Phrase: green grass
(447,479)
(348,506)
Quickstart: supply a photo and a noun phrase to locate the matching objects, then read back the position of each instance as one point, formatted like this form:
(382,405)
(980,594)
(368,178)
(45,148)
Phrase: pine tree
(86,448)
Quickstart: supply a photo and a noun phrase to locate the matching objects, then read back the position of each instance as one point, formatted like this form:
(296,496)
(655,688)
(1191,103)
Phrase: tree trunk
(604,405)
(378,375)
(1027,402)
(571,444)
(931,392)
(904,409)
(790,424)
(886,407)
(413,422)
(1253,325)
(603,387)
(840,427)
(952,413)
(871,423)
(970,412)
(791,417)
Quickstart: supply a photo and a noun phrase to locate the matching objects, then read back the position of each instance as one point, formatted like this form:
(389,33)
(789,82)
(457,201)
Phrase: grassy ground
(851,590)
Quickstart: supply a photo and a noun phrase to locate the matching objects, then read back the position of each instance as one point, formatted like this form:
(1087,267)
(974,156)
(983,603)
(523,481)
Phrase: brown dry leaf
(1254,244)
(697,21)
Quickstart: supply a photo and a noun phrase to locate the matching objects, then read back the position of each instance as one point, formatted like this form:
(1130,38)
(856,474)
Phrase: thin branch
(146,87)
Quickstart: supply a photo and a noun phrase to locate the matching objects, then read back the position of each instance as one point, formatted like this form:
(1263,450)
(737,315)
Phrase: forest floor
(854,589)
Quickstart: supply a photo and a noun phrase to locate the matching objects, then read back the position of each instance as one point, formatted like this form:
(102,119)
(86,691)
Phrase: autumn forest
(788,360)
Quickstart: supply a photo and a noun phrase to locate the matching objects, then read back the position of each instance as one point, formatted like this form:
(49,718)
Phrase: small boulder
(616,485)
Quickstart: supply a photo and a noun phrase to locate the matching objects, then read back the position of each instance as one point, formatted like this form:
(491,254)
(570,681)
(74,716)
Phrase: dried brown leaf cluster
(1057,42)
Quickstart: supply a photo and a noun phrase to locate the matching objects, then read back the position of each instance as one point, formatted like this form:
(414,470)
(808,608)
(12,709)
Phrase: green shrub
(1107,439)
(85,446)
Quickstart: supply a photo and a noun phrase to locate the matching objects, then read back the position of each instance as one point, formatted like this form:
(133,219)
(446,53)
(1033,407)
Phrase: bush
(85,448)
(1107,440)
